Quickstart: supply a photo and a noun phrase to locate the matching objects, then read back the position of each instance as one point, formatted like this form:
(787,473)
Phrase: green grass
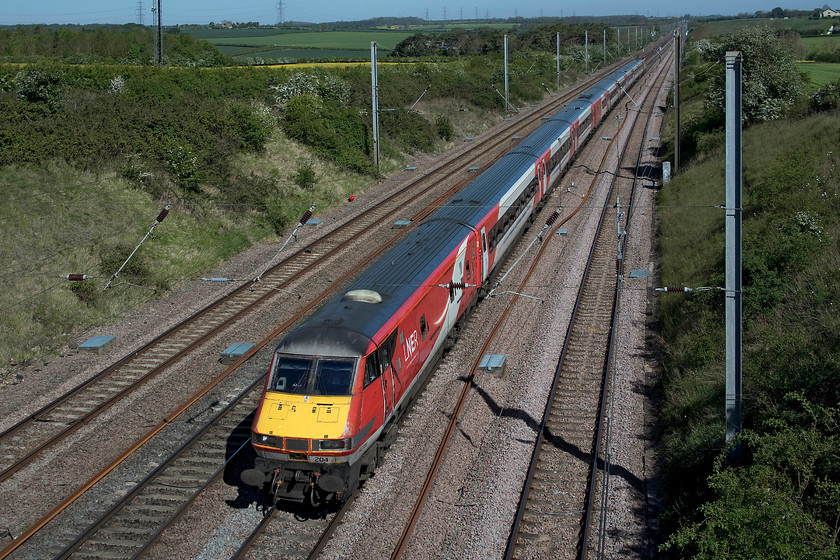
(89,224)
(820,73)
(327,40)
(210,34)
(791,231)
(311,54)
(829,43)
(800,25)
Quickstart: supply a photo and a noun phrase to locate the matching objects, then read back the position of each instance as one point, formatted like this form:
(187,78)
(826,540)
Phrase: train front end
(306,429)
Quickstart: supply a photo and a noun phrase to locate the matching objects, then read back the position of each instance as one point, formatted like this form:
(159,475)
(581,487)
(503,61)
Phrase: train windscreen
(311,376)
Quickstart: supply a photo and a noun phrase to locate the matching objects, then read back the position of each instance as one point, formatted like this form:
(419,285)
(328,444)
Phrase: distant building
(829,13)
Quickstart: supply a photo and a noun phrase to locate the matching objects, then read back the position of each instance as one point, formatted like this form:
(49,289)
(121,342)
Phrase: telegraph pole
(507,79)
(374,81)
(734,216)
(676,91)
(586,51)
(558,60)
(158,35)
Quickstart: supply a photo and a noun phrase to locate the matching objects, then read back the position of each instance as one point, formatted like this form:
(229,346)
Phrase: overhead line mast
(158,33)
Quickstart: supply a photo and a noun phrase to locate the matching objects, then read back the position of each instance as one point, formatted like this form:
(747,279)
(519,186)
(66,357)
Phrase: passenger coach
(338,384)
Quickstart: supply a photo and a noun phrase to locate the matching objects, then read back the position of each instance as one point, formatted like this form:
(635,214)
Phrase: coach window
(483,242)
(423,327)
(469,272)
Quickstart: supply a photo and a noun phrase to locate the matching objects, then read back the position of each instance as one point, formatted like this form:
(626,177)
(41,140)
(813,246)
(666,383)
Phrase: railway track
(462,492)
(138,519)
(36,435)
(551,225)
(555,516)
(285,541)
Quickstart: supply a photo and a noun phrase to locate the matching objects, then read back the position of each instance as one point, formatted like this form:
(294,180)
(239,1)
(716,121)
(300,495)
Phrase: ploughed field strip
(557,509)
(34,436)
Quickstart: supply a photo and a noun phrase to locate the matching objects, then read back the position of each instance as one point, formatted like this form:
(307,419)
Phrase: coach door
(596,112)
(379,381)
(543,182)
(391,387)
(484,258)
(472,276)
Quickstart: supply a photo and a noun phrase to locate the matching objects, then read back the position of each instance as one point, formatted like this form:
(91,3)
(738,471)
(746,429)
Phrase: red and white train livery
(338,384)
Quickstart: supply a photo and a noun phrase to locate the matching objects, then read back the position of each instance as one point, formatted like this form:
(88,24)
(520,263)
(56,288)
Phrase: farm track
(33,437)
(557,509)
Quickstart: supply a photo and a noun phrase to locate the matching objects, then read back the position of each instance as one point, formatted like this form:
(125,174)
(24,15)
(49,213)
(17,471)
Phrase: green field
(327,44)
(307,54)
(826,43)
(820,73)
(804,26)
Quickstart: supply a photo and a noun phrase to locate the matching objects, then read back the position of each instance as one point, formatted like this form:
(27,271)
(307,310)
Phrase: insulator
(457,285)
(77,277)
(162,215)
(553,218)
(306,217)
(675,289)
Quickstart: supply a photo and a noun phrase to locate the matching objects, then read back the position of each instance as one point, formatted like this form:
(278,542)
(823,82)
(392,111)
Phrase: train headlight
(334,444)
(263,439)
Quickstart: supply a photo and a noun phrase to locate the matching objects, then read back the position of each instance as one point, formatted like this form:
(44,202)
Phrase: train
(339,383)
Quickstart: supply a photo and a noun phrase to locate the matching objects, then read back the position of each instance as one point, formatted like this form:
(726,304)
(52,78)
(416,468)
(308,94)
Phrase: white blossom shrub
(117,86)
(317,84)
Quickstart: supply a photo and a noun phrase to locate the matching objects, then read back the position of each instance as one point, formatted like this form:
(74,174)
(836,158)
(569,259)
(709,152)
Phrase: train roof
(346,325)
(541,139)
(485,191)
(403,269)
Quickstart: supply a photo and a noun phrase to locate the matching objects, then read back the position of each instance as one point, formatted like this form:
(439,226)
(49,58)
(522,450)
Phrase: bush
(183,164)
(39,86)
(443,126)
(336,132)
(304,176)
(771,81)
(250,192)
(827,97)
(409,130)
(136,270)
(87,292)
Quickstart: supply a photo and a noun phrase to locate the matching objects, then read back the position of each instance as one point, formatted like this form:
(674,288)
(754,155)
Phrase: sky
(266,12)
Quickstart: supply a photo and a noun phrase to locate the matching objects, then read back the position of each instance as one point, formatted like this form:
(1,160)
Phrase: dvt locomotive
(338,384)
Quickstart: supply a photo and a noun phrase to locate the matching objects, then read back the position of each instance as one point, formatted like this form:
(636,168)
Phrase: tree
(784,504)
(771,82)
